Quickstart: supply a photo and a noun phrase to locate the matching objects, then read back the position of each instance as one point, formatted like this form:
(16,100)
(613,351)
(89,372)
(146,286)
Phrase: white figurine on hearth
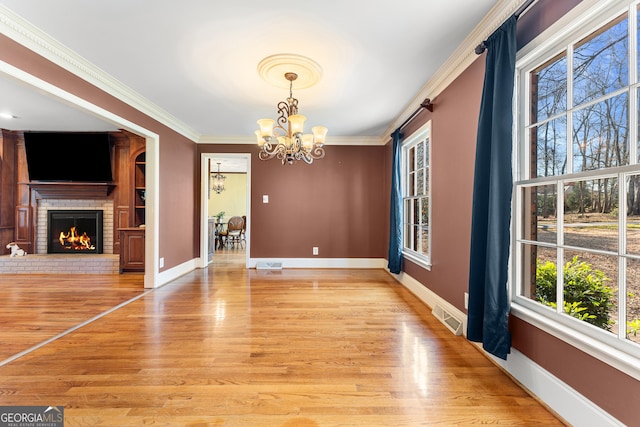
(15,250)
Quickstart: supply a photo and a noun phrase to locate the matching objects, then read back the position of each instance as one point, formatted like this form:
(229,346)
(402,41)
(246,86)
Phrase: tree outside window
(578,227)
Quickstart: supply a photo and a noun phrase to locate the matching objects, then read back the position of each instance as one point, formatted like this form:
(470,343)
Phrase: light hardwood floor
(226,346)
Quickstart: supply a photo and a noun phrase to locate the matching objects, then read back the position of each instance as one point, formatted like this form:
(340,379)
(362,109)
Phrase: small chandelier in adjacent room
(217,181)
(284,138)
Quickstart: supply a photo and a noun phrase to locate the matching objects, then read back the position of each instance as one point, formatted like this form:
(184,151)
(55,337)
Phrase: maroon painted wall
(454,126)
(337,203)
(454,121)
(177,153)
(540,16)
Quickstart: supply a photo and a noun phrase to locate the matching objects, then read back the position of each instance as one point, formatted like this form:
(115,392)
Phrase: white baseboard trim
(573,407)
(322,262)
(430,298)
(177,271)
(554,393)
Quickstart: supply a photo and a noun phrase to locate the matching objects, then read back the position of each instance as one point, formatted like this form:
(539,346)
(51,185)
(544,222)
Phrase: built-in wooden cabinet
(132,238)
(132,249)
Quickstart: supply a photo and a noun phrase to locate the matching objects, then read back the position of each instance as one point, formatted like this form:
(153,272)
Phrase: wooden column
(7,187)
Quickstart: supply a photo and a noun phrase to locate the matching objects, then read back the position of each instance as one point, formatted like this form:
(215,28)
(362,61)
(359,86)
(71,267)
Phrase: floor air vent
(453,324)
(269,266)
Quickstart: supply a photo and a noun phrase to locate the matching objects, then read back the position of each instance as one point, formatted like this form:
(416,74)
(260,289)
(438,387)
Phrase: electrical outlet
(466,300)
(315,250)
(161,262)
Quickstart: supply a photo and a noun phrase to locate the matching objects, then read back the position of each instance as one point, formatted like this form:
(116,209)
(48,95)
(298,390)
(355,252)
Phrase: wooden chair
(219,230)
(233,234)
(243,236)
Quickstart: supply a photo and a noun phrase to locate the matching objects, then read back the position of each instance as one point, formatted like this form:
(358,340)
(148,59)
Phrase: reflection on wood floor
(226,346)
(229,257)
(35,308)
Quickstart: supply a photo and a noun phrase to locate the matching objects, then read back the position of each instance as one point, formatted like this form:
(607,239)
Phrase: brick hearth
(60,264)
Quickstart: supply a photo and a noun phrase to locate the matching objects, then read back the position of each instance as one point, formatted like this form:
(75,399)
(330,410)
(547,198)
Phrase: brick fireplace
(31,196)
(46,205)
(59,263)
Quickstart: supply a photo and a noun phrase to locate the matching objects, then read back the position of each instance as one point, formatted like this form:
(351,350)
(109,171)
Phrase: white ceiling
(197,60)
(38,111)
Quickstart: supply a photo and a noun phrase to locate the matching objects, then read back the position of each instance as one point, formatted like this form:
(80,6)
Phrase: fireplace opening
(74,232)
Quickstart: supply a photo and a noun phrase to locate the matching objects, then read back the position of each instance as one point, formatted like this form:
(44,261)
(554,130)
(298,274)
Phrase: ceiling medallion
(273,67)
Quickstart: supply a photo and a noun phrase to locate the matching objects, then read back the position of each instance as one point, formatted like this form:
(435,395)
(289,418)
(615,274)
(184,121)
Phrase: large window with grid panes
(576,253)
(416,188)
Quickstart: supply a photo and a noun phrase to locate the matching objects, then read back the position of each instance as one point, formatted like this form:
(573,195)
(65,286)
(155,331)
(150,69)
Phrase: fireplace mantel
(72,190)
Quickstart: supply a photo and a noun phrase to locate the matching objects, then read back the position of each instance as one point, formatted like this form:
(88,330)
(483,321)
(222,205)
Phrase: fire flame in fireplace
(72,240)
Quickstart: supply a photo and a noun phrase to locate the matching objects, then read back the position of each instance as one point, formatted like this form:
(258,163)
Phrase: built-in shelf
(132,238)
(139,183)
(72,190)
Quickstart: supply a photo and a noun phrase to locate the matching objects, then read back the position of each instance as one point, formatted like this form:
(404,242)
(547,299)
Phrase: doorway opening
(219,207)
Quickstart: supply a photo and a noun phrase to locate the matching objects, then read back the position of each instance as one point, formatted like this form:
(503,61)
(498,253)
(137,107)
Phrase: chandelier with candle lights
(284,138)
(217,181)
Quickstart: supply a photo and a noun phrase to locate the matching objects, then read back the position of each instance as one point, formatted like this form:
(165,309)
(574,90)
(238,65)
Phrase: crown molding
(31,37)
(459,61)
(251,140)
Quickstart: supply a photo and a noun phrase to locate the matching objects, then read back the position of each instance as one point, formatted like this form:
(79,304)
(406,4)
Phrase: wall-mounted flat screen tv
(68,156)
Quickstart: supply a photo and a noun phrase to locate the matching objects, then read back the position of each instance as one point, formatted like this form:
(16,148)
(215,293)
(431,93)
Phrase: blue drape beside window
(488,311)
(395,217)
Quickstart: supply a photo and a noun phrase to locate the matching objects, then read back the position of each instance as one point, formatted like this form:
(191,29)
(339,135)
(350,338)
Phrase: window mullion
(416,203)
(622,250)
(569,109)
(633,126)
(517,285)
(560,243)
(523,161)
(633,79)
(633,43)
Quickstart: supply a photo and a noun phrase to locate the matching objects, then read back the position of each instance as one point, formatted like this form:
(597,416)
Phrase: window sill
(615,357)
(420,260)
